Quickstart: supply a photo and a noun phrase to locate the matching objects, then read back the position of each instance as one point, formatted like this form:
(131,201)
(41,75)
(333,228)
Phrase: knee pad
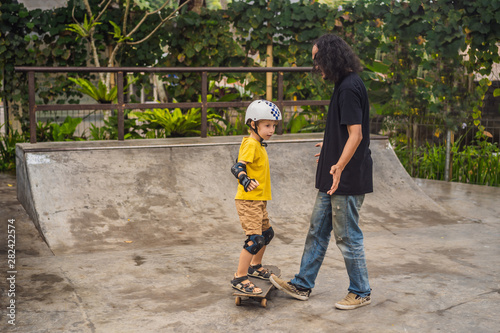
(268,235)
(258,243)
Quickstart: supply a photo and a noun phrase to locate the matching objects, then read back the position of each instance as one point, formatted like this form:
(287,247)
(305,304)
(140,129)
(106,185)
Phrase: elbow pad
(237,168)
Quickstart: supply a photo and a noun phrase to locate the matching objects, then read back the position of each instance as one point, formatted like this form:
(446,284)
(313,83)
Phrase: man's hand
(355,137)
(336,172)
(320,145)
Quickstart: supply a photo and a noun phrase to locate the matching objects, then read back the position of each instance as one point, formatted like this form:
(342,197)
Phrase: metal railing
(120,106)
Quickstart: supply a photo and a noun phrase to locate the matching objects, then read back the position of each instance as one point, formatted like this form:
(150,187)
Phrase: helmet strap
(262,143)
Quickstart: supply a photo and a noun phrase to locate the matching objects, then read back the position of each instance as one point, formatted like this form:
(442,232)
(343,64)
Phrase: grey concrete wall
(96,196)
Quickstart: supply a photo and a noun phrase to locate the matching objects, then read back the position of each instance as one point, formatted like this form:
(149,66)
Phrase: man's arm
(355,137)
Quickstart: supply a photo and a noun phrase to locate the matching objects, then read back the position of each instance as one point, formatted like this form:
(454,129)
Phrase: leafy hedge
(411,49)
(477,163)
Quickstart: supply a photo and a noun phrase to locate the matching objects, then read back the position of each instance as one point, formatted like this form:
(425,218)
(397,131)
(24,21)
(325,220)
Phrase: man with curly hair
(343,177)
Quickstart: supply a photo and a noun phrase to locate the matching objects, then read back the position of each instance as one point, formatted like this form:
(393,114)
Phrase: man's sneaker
(289,288)
(353,301)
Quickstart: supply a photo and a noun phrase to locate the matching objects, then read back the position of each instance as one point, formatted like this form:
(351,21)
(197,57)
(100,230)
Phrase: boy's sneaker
(353,301)
(289,288)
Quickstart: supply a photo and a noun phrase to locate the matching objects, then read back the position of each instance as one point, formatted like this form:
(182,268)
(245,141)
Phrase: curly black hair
(335,59)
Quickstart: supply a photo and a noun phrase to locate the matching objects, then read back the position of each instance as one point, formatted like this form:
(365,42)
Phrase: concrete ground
(439,275)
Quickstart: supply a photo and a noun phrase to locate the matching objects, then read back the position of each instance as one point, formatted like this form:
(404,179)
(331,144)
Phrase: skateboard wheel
(237,300)
(263,302)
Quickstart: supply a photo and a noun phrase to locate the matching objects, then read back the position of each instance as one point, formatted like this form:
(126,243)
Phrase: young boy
(254,190)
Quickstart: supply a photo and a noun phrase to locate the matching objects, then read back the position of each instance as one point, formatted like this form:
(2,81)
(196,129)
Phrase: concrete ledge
(107,195)
(167,143)
(94,196)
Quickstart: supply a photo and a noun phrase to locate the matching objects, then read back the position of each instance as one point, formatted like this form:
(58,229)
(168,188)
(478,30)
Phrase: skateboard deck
(265,285)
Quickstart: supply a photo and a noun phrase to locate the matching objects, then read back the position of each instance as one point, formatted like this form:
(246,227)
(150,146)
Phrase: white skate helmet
(262,110)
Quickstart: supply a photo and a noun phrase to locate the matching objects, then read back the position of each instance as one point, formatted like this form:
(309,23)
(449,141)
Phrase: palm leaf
(87,87)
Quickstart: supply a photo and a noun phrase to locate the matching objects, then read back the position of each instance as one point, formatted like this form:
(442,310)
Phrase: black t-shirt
(349,105)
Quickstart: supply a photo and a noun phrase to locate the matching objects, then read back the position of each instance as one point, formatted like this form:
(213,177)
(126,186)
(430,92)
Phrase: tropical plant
(83,30)
(65,131)
(98,133)
(43,131)
(296,123)
(8,149)
(99,93)
(110,129)
(224,126)
(173,123)
(309,119)
(471,166)
(221,120)
(52,131)
(478,163)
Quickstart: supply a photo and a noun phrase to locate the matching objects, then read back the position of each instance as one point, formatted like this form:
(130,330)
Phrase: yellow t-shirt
(252,152)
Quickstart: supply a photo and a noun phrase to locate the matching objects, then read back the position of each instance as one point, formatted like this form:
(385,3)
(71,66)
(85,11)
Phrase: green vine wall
(413,51)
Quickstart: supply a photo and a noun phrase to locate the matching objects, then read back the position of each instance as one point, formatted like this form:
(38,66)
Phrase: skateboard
(265,285)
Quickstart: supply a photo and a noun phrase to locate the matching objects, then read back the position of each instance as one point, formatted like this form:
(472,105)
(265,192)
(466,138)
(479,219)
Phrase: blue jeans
(340,213)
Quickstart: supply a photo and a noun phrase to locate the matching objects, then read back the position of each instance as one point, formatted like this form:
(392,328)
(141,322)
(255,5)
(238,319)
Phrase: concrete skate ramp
(97,196)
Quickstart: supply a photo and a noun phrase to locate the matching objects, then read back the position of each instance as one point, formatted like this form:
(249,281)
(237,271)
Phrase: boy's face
(266,128)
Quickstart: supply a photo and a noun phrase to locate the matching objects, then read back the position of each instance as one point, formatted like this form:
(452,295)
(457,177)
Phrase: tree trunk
(162,94)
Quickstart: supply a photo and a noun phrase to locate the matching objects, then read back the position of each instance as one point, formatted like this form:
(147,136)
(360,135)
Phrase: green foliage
(98,133)
(307,121)
(65,131)
(297,24)
(290,28)
(52,131)
(110,129)
(117,33)
(221,123)
(35,38)
(471,166)
(410,49)
(419,44)
(43,131)
(224,127)
(205,42)
(160,123)
(296,123)
(166,123)
(8,149)
(99,93)
(83,30)
(478,163)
